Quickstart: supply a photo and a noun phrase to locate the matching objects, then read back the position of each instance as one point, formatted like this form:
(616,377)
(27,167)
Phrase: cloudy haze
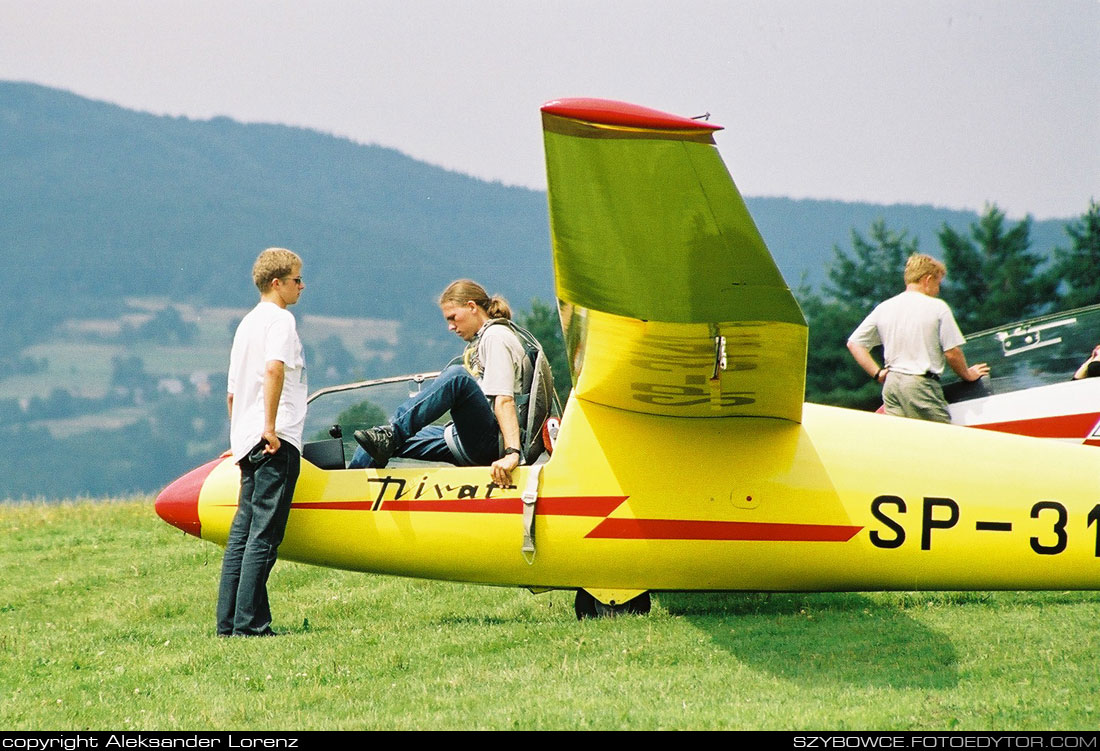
(950,103)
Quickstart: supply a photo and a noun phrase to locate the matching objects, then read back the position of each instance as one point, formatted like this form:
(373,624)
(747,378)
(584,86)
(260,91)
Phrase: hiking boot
(380,442)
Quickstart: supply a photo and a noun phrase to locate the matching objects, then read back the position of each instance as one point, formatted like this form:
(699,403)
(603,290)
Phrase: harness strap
(450,437)
(530,496)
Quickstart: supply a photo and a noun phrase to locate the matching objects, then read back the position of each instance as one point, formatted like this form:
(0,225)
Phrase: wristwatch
(511,450)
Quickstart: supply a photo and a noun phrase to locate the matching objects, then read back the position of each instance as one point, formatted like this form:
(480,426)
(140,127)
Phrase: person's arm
(1083,371)
(274,374)
(504,407)
(863,357)
(957,360)
(229,403)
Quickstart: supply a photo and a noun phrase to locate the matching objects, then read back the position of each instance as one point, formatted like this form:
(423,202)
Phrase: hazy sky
(949,102)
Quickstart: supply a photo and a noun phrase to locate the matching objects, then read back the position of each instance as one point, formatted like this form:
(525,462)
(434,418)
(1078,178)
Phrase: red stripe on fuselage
(553,506)
(609,529)
(1059,426)
(685,529)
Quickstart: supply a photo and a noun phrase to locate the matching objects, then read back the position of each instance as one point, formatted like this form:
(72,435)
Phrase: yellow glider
(686,459)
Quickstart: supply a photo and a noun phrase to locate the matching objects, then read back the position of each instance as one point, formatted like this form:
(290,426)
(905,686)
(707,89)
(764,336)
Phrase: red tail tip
(610,112)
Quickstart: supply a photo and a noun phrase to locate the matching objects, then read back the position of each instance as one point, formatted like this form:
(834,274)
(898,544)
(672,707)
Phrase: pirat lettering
(392,488)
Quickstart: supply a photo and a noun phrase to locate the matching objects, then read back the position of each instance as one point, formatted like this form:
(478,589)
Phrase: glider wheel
(587,606)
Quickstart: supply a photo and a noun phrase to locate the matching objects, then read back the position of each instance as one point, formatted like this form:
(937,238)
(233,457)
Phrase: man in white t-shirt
(919,336)
(267,408)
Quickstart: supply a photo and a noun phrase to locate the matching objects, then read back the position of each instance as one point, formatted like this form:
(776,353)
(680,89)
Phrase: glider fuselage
(844,501)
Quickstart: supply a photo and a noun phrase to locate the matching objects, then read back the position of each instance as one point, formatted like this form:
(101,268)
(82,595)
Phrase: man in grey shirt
(919,337)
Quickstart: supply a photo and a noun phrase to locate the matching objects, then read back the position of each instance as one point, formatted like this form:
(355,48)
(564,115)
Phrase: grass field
(106,622)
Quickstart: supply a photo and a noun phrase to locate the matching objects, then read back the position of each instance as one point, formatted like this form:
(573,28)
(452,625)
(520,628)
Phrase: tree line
(993,278)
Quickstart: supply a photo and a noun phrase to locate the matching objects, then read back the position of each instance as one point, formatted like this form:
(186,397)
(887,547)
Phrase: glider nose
(178,504)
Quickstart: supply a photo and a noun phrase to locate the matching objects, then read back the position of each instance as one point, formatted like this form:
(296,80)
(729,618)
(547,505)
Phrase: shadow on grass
(475,620)
(822,638)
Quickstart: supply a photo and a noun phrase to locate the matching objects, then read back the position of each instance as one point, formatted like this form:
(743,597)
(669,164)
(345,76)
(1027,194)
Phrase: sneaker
(380,442)
(266,632)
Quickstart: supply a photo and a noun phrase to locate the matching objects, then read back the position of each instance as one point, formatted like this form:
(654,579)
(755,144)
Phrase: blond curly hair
(272,264)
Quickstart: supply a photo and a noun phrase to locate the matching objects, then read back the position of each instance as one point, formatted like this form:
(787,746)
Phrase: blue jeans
(455,390)
(267,486)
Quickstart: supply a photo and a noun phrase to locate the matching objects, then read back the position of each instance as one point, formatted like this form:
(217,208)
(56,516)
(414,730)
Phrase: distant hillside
(100,202)
(801,233)
(128,239)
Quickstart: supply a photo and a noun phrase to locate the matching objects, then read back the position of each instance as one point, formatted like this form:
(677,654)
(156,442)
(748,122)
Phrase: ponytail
(498,308)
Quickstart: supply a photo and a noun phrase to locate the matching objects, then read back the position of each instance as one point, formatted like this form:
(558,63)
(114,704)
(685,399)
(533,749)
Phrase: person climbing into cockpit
(480,395)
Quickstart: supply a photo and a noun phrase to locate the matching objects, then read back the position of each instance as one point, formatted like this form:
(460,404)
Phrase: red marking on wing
(685,529)
(1058,426)
(610,112)
(551,506)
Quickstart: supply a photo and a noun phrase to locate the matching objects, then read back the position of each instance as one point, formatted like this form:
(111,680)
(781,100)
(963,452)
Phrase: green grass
(106,622)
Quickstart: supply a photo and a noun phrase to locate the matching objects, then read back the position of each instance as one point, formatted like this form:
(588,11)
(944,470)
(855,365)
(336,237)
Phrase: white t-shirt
(501,356)
(267,333)
(914,330)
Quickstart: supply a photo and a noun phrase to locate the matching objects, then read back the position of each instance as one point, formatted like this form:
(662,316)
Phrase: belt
(925,374)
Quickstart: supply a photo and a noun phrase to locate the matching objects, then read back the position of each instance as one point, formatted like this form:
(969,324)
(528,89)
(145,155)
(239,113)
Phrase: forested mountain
(100,202)
(103,208)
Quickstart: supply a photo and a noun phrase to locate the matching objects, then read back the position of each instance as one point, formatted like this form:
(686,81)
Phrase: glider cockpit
(1030,391)
(336,411)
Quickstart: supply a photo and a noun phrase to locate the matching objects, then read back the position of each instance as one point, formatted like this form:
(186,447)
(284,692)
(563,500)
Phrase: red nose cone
(178,504)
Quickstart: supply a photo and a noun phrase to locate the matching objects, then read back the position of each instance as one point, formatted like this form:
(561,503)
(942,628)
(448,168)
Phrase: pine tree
(543,322)
(857,283)
(1077,270)
(992,277)
(875,271)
